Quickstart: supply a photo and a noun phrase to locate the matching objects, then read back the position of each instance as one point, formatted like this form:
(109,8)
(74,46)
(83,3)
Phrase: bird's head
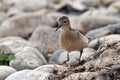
(63,21)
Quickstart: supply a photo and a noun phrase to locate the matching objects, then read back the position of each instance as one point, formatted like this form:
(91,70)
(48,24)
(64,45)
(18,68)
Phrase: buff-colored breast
(70,41)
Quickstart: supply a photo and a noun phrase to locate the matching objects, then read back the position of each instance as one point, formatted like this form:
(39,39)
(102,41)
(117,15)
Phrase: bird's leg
(79,59)
(67,58)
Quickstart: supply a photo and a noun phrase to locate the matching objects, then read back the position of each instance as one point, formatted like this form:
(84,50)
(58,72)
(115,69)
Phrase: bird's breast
(70,42)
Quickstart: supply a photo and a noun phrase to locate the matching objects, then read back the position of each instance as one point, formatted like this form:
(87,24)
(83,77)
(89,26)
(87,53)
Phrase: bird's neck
(65,29)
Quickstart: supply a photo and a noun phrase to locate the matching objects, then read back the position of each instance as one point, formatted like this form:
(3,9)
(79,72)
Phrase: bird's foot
(78,61)
(64,62)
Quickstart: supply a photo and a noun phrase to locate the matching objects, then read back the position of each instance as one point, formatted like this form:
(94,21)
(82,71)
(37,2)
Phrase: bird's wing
(76,32)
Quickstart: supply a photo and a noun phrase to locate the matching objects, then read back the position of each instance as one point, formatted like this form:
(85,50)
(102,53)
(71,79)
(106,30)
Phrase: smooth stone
(19,75)
(3,17)
(28,58)
(5,71)
(46,72)
(74,55)
(33,4)
(13,43)
(5,50)
(47,35)
(54,57)
(97,42)
(89,22)
(24,24)
(107,30)
(87,76)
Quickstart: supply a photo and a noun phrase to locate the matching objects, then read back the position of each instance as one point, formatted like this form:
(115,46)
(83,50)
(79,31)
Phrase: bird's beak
(58,27)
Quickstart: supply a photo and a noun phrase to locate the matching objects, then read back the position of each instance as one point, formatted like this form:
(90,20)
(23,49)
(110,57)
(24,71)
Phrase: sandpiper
(70,39)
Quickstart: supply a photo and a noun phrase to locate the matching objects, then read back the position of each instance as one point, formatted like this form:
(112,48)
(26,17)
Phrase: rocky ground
(27,30)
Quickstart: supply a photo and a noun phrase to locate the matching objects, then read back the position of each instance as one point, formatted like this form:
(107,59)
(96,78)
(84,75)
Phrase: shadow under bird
(70,39)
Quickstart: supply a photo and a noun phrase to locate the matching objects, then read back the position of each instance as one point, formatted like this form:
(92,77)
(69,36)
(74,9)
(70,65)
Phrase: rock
(46,72)
(69,9)
(96,3)
(97,42)
(75,5)
(5,71)
(3,7)
(5,50)
(33,4)
(87,76)
(13,44)
(74,55)
(41,48)
(19,75)
(107,30)
(116,5)
(24,24)
(94,22)
(3,16)
(47,36)
(88,54)
(14,11)
(54,57)
(28,58)
(106,58)
(90,3)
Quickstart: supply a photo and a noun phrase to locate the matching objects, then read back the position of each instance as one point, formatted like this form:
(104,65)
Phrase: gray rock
(5,71)
(107,30)
(5,50)
(54,57)
(47,36)
(13,44)
(74,55)
(14,11)
(46,72)
(116,5)
(20,75)
(3,16)
(97,42)
(107,57)
(87,76)
(27,58)
(88,54)
(33,4)
(24,24)
(96,3)
(89,22)
(41,48)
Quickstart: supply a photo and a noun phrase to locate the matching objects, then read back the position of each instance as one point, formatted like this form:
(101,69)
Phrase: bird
(70,39)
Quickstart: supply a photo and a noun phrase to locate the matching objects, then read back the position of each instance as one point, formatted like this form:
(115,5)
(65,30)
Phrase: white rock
(24,24)
(47,36)
(110,38)
(14,43)
(3,16)
(33,4)
(28,58)
(74,55)
(5,71)
(46,72)
(87,76)
(20,75)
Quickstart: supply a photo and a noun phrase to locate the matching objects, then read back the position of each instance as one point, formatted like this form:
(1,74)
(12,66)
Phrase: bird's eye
(64,21)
